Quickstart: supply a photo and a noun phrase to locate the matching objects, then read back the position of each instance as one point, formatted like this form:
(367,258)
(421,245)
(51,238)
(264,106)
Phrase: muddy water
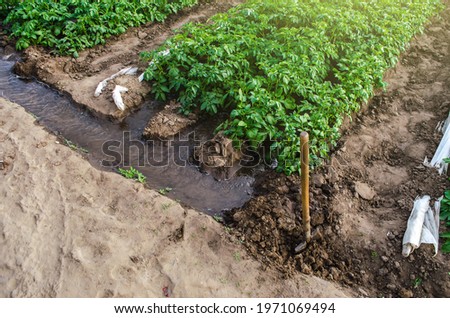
(153,159)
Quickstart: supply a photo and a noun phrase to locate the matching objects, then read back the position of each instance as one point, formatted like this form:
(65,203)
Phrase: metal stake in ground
(306,218)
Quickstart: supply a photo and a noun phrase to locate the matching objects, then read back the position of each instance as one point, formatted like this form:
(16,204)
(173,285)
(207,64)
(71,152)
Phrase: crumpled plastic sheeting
(117,96)
(423,226)
(126,71)
(442,152)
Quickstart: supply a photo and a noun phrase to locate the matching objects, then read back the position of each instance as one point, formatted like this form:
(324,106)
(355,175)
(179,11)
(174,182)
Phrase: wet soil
(165,163)
(168,122)
(61,103)
(363,197)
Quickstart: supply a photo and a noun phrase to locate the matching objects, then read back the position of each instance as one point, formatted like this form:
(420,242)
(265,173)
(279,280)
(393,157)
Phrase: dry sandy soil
(69,230)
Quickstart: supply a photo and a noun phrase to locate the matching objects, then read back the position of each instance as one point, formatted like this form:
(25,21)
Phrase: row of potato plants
(69,26)
(280,67)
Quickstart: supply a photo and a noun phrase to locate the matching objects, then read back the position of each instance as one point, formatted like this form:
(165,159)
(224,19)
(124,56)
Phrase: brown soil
(363,197)
(69,230)
(218,157)
(79,77)
(168,122)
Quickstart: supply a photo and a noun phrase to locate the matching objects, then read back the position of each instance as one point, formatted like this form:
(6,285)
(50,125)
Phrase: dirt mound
(168,122)
(135,95)
(271,227)
(218,157)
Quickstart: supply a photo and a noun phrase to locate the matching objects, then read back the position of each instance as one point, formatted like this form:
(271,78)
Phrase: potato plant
(6,6)
(445,217)
(283,66)
(69,26)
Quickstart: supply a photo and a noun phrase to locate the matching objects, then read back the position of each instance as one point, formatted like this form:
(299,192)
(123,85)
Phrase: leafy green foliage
(285,66)
(6,6)
(446,246)
(69,26)
(133,173)
(445,216)
(445,206)
(164,191)
(74,146)
(417,282)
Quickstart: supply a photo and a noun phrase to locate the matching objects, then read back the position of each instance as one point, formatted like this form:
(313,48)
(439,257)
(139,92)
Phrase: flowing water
(153,159)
